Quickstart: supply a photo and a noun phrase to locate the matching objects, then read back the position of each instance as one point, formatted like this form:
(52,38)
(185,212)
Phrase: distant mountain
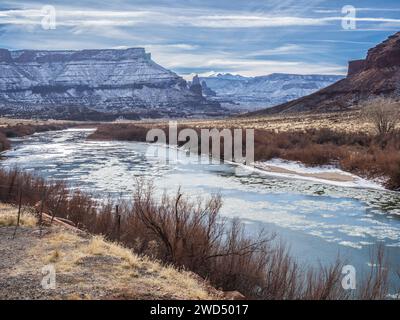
(95,84)
(260,92)
(377,75)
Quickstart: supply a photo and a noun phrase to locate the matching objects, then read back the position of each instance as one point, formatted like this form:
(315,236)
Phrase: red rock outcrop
(355,66)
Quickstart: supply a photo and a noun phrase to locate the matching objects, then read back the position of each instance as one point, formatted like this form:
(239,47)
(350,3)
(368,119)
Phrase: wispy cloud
(375,9)
(246,66)
(76,18)
(343,41)
(281,50)
(185,18)
(249,37)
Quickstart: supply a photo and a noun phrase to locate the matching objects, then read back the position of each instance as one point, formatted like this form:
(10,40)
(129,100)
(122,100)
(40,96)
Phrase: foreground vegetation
(192,236)
(87,267)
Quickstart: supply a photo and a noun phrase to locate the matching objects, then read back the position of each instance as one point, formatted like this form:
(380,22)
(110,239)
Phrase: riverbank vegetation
(191,235)
(87,267)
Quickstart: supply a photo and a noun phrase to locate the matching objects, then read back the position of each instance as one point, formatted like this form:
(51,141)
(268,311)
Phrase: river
(317,221)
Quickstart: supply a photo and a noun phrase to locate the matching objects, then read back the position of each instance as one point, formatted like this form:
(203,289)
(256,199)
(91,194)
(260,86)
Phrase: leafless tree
(383,113)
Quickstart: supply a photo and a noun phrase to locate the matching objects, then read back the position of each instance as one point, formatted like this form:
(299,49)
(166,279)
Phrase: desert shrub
(21,130)
(383,114)
(125,132)
(314,154)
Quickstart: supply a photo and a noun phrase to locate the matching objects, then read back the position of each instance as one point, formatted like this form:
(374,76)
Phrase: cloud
(343,41)
(253,38)
(322,10)
(281,50)
(228,62)
(79,18)
(93,18)
(184,18)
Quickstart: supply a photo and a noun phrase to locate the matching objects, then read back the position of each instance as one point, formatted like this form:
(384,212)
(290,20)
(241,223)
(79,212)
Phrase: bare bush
(384,114)
(375,286)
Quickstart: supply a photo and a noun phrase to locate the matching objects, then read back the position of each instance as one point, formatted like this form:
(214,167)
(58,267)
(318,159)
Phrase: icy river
(317,221)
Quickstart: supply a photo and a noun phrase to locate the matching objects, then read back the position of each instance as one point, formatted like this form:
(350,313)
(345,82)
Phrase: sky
(203,37)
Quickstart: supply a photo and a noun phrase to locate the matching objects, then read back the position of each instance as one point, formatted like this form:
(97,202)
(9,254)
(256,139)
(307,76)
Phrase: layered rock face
(377,75)
(107,81)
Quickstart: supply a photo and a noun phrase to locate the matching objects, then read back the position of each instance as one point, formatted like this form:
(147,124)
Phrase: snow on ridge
(269,90)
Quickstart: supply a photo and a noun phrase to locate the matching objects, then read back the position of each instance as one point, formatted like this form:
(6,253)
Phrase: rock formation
(109,81)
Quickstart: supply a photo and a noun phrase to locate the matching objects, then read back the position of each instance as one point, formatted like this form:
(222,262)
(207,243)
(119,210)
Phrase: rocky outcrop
(377,75)
(355,66)
(108,81)
(385,55)
(195,86)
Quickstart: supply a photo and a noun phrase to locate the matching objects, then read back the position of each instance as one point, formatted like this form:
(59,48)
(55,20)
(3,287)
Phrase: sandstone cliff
(108,81)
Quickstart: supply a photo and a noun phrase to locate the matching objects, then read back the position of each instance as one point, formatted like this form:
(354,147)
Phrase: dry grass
(4,122)
(117,268)
(8,217)
(350,121)
(94,266)
(343,122)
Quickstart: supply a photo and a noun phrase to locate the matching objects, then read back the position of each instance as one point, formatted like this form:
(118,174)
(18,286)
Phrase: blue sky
(202,36)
